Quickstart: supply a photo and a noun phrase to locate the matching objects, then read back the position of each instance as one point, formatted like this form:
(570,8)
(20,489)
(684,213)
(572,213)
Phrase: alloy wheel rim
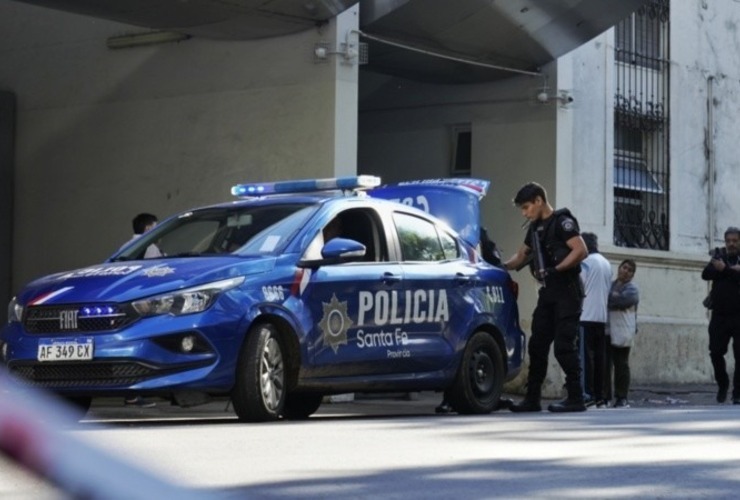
(271,374)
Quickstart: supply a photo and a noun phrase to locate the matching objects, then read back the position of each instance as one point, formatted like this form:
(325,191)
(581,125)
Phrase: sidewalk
(674,395)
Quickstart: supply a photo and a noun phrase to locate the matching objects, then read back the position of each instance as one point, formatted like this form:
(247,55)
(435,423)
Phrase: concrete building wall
(705,179)
(104,134)
(405,133)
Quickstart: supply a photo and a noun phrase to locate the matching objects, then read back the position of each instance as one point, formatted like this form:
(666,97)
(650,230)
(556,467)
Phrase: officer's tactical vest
(554,249)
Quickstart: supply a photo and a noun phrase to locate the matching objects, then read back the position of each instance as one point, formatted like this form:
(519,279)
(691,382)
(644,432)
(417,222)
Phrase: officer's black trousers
(594,341)
(722,329)
(555,320)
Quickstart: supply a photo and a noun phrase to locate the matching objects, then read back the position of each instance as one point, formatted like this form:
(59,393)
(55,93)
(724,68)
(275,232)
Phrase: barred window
(641,129)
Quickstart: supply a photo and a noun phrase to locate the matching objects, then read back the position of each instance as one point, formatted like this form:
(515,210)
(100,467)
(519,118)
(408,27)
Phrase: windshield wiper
(188,254)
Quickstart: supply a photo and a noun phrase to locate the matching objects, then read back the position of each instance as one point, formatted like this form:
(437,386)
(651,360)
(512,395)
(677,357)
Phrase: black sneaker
(722,395)
(140,402)
(621,403)
(567,406)
(526,406)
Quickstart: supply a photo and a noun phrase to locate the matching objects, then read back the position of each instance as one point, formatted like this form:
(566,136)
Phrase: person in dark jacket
(723,270)
(555,247)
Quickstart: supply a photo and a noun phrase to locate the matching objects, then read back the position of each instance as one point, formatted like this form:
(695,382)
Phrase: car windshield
(245,230)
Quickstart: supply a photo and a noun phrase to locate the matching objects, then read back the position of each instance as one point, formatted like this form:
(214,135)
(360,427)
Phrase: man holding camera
(723,271)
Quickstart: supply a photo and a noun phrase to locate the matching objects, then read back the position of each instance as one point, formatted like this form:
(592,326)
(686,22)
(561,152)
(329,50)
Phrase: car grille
(107,374)
(78,318)
(101,374)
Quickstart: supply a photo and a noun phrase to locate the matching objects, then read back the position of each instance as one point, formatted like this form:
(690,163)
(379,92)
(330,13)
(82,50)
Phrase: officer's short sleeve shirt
(566,227)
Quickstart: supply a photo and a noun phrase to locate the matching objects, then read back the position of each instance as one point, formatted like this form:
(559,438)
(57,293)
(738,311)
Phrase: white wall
(704,45)
(672,345)
(104,134)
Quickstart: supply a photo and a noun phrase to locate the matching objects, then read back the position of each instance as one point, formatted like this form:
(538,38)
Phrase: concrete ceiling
(517,34)
(222,19)
(402,34)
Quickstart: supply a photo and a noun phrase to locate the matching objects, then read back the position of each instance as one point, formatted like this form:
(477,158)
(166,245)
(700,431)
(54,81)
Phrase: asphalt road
(398,449)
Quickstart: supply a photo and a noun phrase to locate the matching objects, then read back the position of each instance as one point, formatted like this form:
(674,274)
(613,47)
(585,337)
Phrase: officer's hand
(719,265)
(544,273)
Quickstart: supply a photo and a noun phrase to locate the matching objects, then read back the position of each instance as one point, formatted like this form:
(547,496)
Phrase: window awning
(630,173)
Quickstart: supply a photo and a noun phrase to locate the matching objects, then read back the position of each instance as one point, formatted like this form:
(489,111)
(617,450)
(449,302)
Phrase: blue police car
(299,289)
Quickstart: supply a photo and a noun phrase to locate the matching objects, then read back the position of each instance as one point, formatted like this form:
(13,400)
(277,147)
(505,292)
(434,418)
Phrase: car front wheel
(259,392)
(480,378)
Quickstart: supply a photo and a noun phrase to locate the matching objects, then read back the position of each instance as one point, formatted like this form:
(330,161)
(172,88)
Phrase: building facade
(633,131)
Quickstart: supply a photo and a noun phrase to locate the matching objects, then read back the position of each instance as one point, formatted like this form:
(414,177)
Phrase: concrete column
(346,65)
(7,141)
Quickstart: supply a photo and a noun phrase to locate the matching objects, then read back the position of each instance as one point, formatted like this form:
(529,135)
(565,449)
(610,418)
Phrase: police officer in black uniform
(723,270)
(555,249)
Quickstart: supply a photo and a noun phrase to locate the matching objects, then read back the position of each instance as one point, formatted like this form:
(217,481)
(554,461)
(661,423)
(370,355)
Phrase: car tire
(260,388)
(301,405)
(480,377)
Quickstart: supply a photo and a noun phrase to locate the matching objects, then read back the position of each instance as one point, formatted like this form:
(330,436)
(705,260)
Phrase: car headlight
(187,301)
(15,311)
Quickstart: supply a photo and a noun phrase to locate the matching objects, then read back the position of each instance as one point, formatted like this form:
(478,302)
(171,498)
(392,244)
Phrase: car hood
(125,281)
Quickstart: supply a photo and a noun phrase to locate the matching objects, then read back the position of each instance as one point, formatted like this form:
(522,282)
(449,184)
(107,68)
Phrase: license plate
(66,349)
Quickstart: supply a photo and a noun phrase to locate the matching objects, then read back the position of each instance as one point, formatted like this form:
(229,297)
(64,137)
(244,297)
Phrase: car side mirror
(336,251)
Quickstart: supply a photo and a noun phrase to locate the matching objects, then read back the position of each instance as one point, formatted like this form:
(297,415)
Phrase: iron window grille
(641,169)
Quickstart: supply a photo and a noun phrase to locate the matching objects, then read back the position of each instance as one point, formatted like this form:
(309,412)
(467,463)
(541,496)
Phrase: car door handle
(389,278)
(464,279)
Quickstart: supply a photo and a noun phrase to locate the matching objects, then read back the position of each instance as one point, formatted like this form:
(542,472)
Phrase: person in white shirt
(596,274)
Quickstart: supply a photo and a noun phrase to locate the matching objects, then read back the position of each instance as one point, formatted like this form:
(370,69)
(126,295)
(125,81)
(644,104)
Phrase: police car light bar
(305,186)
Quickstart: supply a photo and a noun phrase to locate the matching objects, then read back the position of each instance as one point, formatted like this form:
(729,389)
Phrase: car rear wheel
(480,378)
(300,406)
(259,392)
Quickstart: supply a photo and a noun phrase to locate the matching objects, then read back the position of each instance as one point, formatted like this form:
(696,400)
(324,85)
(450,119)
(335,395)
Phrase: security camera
(543,97)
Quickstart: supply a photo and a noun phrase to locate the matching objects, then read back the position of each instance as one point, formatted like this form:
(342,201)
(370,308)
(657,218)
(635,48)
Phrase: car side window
(359,224)
(418,238)
(449,246)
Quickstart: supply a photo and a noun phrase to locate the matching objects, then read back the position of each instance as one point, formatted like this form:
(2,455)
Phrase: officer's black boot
(574,401)
(530,403)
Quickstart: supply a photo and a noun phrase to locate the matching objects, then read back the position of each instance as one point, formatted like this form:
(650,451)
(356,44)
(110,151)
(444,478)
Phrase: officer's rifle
(535,254)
